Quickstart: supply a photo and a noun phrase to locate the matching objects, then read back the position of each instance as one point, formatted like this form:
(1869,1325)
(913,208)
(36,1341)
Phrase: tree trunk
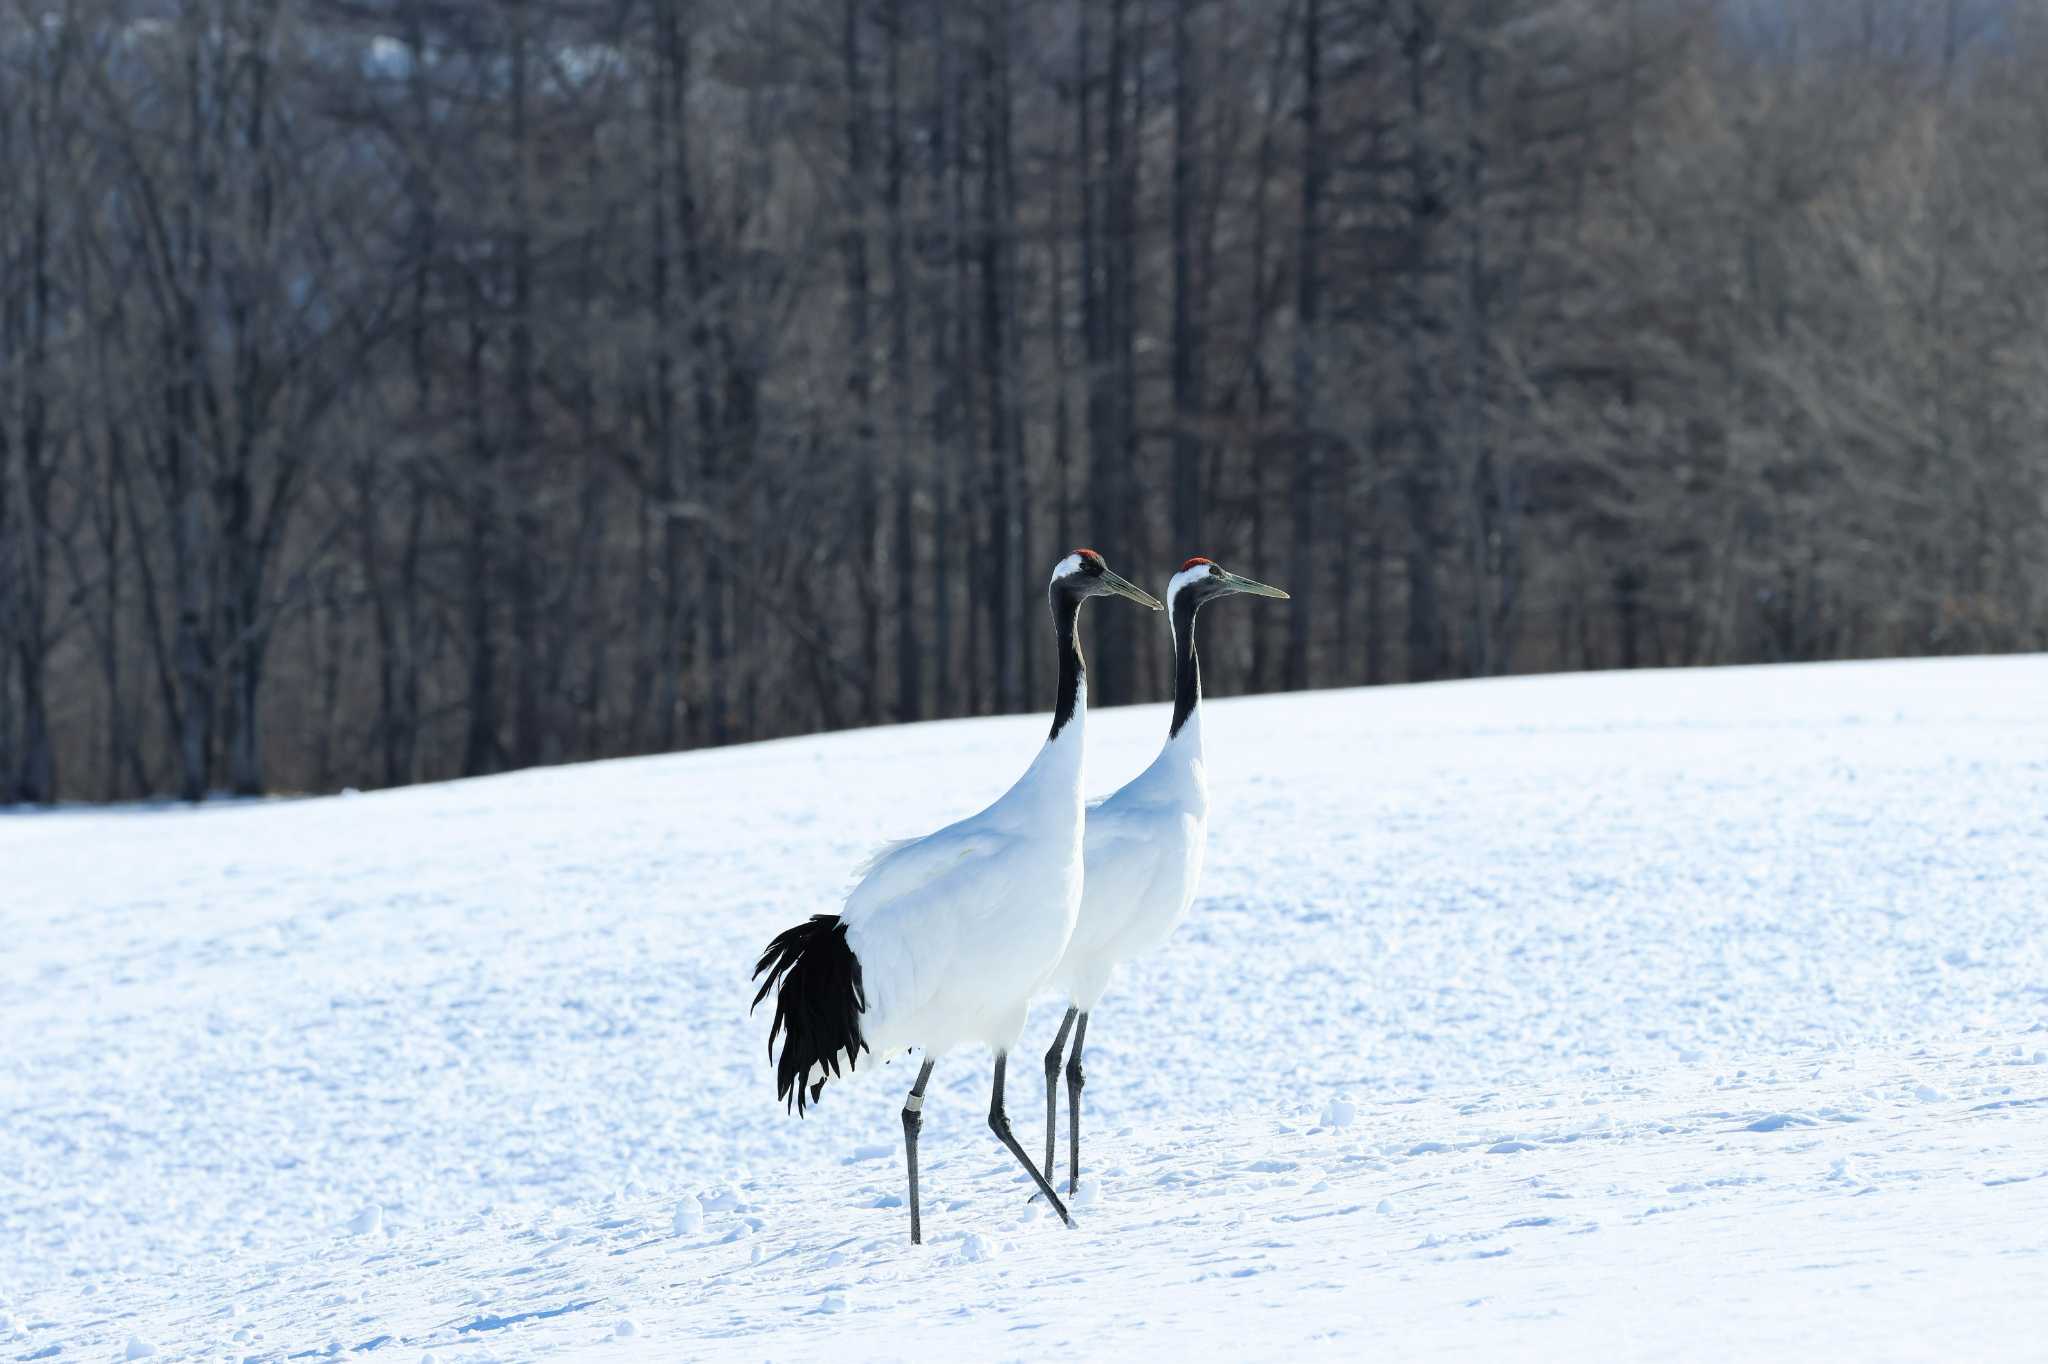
(1005,619)
(853,245)
(1102,285)
(524,439)
(479,567)
(909,660)
(1187,451)
(1482,504)
(1419,482)
(1265,625)
(1306,485)
(674,635)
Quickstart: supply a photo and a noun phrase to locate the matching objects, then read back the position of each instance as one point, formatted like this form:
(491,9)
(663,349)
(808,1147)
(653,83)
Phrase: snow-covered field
(1695,1015)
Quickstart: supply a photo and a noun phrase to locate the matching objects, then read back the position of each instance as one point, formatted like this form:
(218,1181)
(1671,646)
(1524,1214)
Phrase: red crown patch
(1198,559)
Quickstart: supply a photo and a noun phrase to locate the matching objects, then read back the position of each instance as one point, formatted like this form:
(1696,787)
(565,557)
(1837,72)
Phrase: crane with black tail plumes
(1143,853)
(946,938)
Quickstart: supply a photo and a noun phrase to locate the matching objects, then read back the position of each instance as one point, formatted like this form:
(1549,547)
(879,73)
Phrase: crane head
(1201,580)
(1083,574)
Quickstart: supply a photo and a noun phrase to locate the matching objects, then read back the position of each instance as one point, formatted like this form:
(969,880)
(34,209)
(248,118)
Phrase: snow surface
(1662,1015)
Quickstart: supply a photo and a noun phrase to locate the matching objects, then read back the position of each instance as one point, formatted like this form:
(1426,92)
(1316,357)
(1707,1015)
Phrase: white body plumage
(956,931)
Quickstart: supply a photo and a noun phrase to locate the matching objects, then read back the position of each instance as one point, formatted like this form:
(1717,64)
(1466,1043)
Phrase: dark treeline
(390,391)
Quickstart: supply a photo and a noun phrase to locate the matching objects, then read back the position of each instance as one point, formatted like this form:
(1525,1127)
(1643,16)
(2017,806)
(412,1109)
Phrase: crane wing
(906,868)
(929,913)
(1129,844)
(882,854)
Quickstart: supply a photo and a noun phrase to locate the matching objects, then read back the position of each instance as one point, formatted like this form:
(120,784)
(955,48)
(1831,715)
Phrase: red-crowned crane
(1143,852)
(947,937)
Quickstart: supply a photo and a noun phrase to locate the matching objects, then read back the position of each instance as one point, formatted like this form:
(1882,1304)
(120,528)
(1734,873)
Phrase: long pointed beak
(1237,584)
(1124,588)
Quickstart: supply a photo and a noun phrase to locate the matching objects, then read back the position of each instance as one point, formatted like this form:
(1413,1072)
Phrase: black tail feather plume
(818,1004)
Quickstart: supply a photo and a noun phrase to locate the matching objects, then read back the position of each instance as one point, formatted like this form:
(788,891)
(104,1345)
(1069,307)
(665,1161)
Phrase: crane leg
(1074,1082)
(999,1124)
(1052,1088)
(913,1119)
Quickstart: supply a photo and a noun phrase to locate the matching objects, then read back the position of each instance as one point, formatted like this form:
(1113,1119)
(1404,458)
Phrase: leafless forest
(391,391)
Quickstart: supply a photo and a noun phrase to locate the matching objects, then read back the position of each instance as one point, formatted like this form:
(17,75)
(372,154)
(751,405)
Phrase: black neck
(1187,668)
(1066,619)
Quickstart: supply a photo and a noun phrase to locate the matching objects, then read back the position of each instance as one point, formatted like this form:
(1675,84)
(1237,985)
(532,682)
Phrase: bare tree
(396,390)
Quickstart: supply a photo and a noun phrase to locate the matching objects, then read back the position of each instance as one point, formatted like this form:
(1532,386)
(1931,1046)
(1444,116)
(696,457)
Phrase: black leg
(913,1119)
(999,1124)
(1074,1083)
(1052,1087)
